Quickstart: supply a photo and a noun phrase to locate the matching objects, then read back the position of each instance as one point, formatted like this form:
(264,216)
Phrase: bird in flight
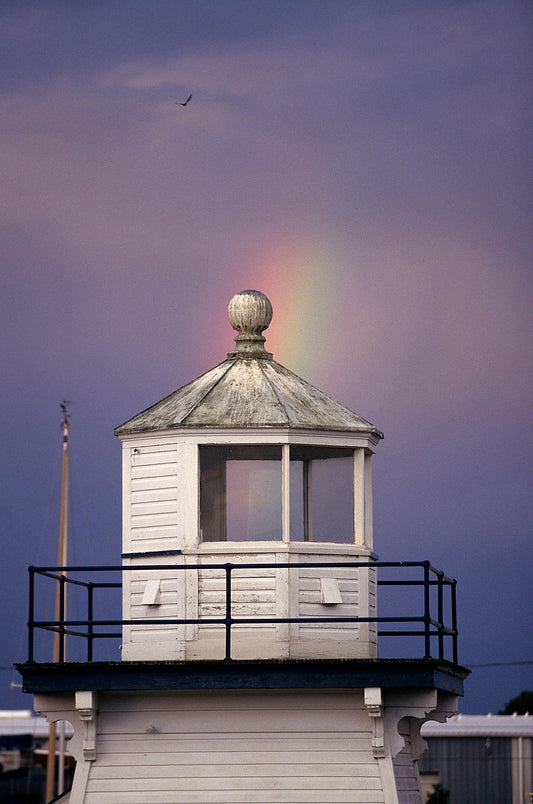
(185,102)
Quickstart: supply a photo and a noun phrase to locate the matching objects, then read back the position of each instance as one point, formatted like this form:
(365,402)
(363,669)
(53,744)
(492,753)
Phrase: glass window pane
(332,500)
(297,502)
(240,493)
(253,490)
(212,495)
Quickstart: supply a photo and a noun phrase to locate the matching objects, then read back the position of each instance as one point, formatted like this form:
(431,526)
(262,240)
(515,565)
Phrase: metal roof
(481,726)
(250,392)
(23,721)
(249,389)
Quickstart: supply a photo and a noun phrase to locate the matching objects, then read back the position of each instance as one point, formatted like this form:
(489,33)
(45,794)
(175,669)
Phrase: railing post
(427,612)
(228,568)
(90,635)
(62,581)
(440,615)
(31,613)
(454,620)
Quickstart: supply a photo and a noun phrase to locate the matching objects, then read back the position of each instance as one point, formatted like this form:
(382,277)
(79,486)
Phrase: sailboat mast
(62,562)
(63,519)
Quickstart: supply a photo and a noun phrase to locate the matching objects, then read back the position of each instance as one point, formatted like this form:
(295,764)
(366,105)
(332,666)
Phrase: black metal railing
(428,624)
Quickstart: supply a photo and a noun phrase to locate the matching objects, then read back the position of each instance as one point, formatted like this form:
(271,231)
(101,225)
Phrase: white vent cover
(330,592)
(151,596)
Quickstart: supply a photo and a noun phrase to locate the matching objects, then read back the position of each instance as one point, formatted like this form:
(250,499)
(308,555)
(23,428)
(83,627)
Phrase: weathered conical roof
(249,389)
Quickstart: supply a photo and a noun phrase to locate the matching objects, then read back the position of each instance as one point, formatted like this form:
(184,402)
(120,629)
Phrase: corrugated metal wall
(476,770)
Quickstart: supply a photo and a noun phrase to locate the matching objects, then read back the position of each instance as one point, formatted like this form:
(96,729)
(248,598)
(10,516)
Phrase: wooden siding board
(237,753)
(218,582)
(242,598)
(239,797)
(266,745)
(155,495)
(151,457)
(240,588)
(289,786)
(164,777)
(317,609)
(162,505)
(245,612)
(140,484)
(147,544)
(248,722)
(166,607)
(153,521)
(264,595)
(160,532)
(158,470)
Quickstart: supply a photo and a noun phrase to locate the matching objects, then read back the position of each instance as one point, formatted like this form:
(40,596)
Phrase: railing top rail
(240,565)
(235,619)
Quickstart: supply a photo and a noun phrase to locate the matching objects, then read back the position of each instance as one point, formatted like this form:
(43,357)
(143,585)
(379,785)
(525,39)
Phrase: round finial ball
(250,312)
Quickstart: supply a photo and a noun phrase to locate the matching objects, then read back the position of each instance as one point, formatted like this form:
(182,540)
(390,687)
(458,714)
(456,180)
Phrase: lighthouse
(233,467)
(249,667)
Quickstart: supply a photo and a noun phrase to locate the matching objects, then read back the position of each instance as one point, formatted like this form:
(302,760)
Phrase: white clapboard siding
(282,592)
(159,641)
(406,773)
(251,596)
(310,604)
(234,748)
(152,498)
(372,603)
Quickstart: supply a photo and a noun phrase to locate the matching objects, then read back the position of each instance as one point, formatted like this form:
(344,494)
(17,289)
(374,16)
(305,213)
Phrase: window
(241,493)
(322,495)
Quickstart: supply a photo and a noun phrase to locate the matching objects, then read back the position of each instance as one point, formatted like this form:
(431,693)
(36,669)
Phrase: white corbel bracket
(374,705)
(407,710)
(86,705)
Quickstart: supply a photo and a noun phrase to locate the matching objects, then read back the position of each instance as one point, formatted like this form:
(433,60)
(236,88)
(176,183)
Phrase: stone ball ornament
(250,313)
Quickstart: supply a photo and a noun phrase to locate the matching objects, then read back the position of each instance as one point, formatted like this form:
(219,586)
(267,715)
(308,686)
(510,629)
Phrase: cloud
(381,138)
(278,112)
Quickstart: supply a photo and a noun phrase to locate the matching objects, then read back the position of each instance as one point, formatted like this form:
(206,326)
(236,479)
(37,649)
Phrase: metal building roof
(23,721)
(481,726)
(249,389)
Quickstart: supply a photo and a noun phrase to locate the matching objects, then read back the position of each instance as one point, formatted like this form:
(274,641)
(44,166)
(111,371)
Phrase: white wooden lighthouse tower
(249,669)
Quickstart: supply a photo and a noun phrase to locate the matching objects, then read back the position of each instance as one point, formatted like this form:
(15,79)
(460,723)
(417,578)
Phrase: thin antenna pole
(62,562)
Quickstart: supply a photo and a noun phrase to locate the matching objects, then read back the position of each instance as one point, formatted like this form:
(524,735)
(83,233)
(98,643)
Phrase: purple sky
(368,167)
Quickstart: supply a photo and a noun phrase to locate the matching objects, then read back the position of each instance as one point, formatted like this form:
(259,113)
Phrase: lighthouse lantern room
(248,463)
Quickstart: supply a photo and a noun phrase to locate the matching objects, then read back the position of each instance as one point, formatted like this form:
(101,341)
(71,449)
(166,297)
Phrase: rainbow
(300,281)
